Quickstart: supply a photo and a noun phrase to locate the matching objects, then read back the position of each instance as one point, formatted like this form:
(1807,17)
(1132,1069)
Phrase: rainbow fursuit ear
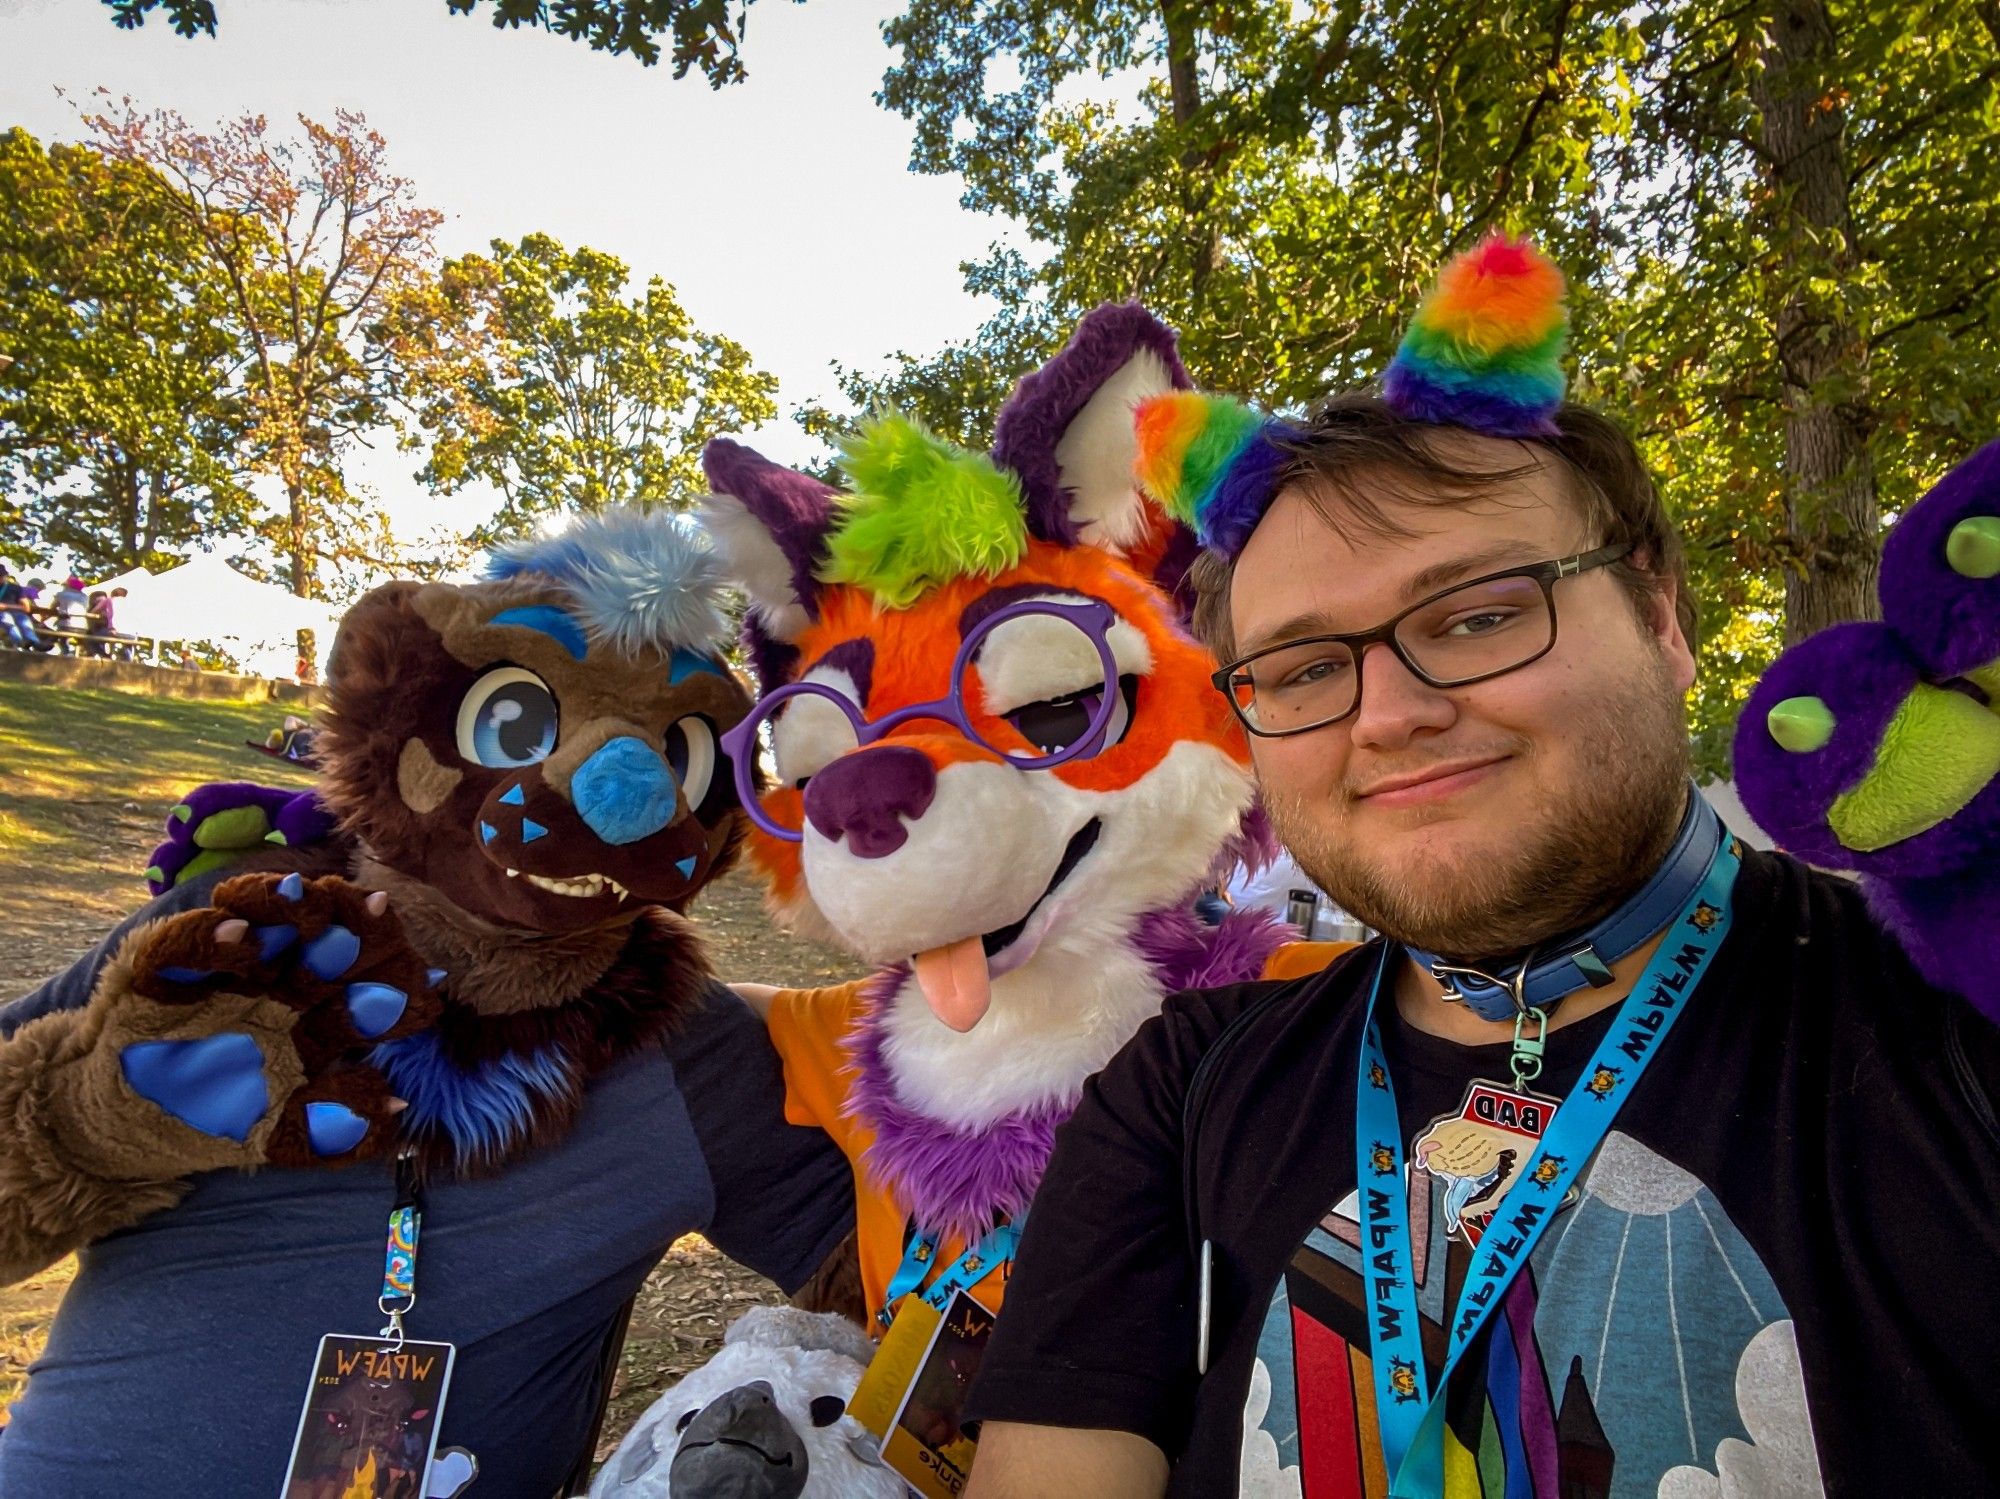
(1210,462)
(1485,348)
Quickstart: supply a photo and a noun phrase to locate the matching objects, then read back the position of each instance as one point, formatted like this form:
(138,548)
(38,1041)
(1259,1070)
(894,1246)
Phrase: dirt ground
(85,782)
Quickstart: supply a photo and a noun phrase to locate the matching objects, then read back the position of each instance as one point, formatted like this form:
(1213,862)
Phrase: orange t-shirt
(808,1026)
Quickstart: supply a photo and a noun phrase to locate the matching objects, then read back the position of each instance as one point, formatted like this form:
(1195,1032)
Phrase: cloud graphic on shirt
(1264,1476)
(1779,1461)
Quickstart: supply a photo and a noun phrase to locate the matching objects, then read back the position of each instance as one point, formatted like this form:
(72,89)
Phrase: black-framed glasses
(1464,634)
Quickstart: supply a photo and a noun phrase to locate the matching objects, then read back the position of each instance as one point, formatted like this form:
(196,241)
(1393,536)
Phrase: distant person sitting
(17,621)
(71,610)
(100,611)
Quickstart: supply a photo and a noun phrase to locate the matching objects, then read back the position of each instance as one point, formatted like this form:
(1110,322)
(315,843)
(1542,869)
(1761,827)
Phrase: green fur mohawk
(922,512)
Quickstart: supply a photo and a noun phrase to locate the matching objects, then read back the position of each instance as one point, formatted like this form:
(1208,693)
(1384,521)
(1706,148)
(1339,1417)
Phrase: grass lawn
(86,781)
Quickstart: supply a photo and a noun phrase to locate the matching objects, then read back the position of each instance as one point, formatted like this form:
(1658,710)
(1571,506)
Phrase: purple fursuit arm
(1875,747)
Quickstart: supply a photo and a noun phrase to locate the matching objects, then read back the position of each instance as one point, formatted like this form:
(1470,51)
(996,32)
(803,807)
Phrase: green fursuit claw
(1801,724)
(1973,547)
(1939,751)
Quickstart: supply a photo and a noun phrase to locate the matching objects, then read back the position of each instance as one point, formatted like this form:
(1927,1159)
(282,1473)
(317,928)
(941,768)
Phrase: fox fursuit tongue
(955,981)
(956,978)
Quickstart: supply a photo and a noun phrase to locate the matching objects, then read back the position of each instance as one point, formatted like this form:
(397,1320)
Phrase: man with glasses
(1631,1162)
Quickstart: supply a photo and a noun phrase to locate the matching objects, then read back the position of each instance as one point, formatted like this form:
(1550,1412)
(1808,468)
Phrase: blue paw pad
(435,977)
(175,975)
(686,867)
(292,886)
(331,953)
(375,1007)
(333,1128)
(272,940)
(215,1084)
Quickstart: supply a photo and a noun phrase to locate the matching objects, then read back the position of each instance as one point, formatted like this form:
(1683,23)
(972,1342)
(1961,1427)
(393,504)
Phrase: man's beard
(1570,863)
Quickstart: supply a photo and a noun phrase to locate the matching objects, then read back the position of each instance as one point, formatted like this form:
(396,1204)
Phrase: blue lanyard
(1409,1410)
(968,1269)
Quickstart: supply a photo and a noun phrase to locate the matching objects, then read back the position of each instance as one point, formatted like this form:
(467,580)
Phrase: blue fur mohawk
(641,579)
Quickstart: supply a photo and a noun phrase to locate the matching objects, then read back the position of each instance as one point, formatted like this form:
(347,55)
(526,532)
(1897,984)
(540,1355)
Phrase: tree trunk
(1830,502)
(1198,186)
(300,554)
(129,501)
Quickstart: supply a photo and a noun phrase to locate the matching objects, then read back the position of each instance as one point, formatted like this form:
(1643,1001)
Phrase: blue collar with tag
(1585,961)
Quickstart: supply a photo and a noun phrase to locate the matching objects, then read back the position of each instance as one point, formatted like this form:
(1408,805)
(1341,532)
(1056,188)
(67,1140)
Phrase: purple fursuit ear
(794,510)
(1043,406)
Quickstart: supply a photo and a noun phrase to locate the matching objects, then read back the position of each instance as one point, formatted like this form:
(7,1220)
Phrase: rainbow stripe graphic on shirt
(1618,1357)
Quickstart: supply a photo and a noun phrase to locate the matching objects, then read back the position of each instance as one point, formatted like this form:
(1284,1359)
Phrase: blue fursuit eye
(507,720)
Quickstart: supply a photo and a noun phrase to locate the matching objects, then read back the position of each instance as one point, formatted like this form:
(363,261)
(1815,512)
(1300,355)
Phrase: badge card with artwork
(915,1399)
(371,1417)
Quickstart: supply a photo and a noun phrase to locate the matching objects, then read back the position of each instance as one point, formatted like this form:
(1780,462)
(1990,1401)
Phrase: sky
(781,209)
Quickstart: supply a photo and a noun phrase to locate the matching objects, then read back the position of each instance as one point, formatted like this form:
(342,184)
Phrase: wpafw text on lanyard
(1482,1205)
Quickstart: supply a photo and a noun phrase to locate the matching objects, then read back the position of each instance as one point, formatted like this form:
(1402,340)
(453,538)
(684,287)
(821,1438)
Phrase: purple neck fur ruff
(954,1179)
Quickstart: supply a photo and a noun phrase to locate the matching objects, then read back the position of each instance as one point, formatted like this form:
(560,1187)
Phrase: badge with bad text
(1478,1152)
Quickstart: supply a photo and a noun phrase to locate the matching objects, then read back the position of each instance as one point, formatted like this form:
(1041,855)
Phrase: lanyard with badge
(1565,1136)
(373,1409)
(935,1334)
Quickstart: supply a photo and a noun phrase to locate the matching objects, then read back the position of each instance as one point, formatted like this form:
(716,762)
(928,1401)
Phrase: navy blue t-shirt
(180,1357)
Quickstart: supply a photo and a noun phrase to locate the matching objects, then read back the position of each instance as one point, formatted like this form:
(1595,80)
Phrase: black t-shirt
(1780,1276)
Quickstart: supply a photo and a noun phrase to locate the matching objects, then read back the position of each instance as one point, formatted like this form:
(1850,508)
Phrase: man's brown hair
(1351,439)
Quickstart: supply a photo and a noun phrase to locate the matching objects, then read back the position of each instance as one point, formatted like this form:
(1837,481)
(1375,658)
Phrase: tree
(1781,220)
(318,247)
(704,34)
(119,418)
(589,399)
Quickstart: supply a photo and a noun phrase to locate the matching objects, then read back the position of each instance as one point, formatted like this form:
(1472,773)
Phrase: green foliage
(1281,180)
(703,34)
(120,421)
(587,399)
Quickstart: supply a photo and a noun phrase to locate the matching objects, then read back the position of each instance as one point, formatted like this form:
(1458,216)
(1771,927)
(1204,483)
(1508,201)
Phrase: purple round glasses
(1094,619)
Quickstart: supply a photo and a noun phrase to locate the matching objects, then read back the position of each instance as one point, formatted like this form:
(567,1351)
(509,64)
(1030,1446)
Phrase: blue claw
(215,1085)
(185,975)
(435,977)
(293,886)
(272,940)
(331,953)
(333,1128)
(375,1007)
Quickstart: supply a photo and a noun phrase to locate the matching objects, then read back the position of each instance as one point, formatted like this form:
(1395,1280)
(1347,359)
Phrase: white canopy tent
(207,599)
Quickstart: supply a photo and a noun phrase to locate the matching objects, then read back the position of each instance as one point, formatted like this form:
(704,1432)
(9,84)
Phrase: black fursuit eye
(1054,724)
(691,755)
(827,1409)
(507,720)
(686,1416)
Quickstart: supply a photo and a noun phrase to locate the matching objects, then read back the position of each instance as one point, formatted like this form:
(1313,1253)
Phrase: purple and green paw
(1876,747)
(215,825)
